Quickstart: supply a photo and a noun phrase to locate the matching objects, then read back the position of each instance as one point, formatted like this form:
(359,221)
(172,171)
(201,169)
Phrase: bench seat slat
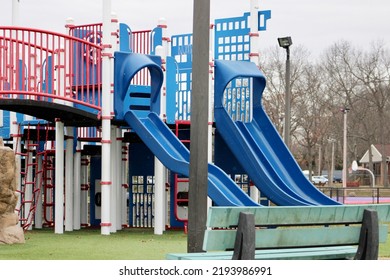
(287,215)
(293,232)
(220,240)
(319,253)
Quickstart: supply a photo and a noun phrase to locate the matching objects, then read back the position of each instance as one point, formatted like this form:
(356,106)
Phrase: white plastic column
(163,51)
(114,181)
(159,197)
(254,57)
(163,111)
(15,12)
(118,176)
(159,172)
(69,180)
(59,179)
(77,188)
(106,121)
(116,148)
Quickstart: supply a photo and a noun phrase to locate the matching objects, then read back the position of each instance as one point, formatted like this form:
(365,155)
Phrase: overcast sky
(315,24)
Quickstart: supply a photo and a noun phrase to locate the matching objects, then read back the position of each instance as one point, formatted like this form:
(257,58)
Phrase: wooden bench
(292,232)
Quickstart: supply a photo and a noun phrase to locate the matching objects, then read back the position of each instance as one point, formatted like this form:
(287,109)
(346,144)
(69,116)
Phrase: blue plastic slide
(175,156)
(258,146)
(157,135)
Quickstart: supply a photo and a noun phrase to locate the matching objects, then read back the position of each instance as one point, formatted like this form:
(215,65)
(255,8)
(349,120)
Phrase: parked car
(337,175)
(337,179)
(319,180)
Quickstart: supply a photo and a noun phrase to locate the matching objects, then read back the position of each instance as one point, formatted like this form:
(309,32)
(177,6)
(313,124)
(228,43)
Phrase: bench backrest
(293,226)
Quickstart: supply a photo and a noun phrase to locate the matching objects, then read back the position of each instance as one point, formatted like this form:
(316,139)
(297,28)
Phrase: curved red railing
(48,66)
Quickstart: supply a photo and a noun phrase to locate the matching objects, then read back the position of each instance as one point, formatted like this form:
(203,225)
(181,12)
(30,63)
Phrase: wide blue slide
(157,135)
(258,146)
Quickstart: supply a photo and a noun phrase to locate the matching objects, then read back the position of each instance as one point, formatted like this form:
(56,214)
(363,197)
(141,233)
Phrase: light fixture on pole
(286,42)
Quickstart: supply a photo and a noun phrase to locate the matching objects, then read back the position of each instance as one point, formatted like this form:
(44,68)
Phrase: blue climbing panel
(231,42)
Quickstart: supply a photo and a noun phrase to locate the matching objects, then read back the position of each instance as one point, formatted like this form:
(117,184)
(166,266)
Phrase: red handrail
(39,64)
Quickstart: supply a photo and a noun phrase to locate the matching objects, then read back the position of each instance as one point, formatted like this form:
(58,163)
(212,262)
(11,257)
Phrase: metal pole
(319,160)
(345,112)
(287,114)
(197,210)
(331,173)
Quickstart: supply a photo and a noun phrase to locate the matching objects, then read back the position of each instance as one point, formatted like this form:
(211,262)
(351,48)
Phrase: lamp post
(331,172)
(286,42)
(345,112)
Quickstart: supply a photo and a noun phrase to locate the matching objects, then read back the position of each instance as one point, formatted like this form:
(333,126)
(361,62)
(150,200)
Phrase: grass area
(89,244)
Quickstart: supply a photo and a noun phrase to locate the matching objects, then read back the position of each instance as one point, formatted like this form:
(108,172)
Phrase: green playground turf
(89,244)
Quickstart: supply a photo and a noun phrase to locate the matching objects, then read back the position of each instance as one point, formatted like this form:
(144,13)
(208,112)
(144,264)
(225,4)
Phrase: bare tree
(344,76)
(360,80)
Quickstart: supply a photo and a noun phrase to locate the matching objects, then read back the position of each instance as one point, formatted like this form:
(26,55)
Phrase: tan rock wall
(10,231)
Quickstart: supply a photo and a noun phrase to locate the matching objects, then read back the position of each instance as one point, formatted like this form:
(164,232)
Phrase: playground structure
(81,126)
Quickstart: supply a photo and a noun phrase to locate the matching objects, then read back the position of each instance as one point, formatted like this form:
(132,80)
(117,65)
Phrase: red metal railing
(141,43)
(48,66)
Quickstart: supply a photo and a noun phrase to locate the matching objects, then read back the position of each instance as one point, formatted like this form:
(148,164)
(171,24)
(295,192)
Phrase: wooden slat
(220,240)
(287,215)
(319,253)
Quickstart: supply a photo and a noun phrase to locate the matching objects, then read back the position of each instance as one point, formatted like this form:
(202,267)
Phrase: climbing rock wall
(10,231)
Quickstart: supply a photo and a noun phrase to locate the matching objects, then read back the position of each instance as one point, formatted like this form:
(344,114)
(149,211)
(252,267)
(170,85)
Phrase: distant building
(377,151)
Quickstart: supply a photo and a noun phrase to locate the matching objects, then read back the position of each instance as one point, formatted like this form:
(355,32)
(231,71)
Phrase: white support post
(116,223)
(77,188)
(114,181)
(69,179)
(162,51)
(159,170)
(106,183)
(38,202)
(118,176)
(15,12)
(159,197)
(254,57)
(59,179)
